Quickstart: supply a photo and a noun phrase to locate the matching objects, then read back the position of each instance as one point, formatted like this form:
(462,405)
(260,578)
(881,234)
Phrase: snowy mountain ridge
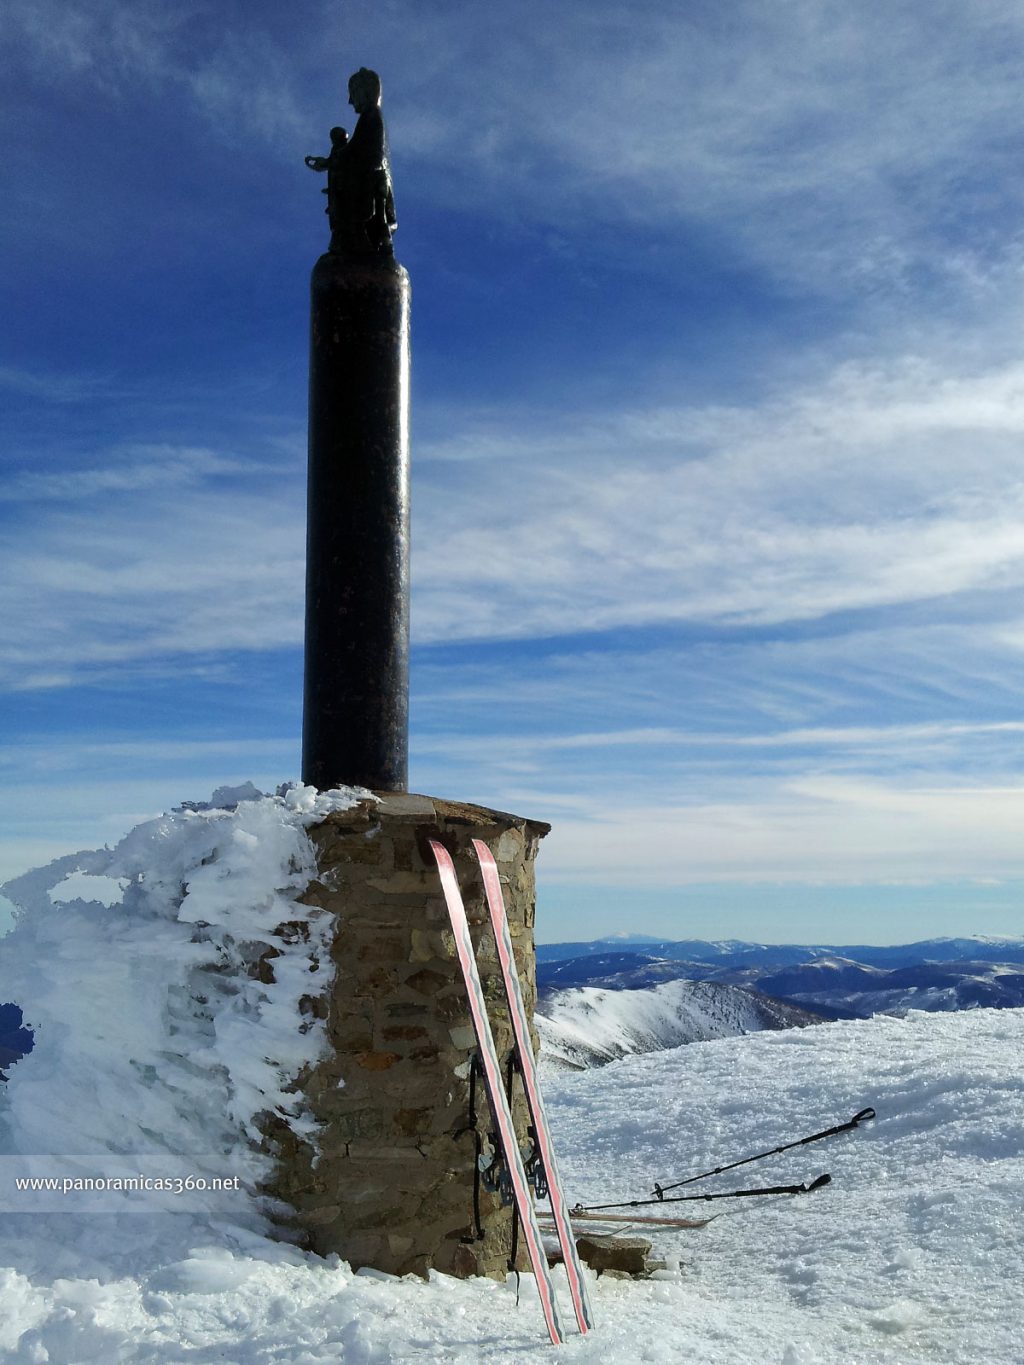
(590,1026)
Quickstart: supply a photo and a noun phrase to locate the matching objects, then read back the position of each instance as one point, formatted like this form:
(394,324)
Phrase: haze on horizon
(717,416)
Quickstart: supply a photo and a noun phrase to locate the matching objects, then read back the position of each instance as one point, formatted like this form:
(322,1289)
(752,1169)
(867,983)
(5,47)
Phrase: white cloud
(875,489)
(143,572)
(90,797)
(136,469)
(869,146)
(828,142)
(231,72)
(53,386)
(80,756)
(872,490)
(871,154)
(903,738)
(821,831)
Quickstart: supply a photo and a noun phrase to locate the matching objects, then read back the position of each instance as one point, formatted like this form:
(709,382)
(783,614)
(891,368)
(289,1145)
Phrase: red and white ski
(491,1068)
(528,1071)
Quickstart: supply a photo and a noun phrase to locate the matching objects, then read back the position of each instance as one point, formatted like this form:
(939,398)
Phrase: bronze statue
(360,203)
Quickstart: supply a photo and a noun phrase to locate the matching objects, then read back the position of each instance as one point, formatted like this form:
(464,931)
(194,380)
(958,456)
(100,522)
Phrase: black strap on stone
(471,1127)
(513,1255)
(864,1115)
(512,1066)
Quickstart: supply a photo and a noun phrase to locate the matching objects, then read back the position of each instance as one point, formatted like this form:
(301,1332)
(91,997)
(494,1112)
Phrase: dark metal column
(356,701)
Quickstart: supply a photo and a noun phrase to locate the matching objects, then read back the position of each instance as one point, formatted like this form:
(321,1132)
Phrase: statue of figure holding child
(360,202)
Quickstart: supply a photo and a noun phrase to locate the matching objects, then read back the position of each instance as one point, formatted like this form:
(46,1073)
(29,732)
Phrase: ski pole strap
(865,1114)
(511,1067)
(857,1119)
(819,1183)
(471,1127)
(513,1255)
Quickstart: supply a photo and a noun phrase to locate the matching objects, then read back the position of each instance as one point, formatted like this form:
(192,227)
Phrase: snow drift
(914,1253)
(164,983)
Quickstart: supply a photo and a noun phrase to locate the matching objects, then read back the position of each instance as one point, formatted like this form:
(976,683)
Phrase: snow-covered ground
(135,969)
(155,1047)
(914,1253)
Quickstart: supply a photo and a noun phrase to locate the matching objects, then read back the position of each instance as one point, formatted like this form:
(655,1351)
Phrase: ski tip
(441,855)
(483,852)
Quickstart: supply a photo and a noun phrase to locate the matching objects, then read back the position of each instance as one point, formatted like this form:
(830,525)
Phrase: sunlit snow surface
(152,1035)
(914,1253)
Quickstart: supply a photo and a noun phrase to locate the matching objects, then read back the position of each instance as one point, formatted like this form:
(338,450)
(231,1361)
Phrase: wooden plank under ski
(576,1217)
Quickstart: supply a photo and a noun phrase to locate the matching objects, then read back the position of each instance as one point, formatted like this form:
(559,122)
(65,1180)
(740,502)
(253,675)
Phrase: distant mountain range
(835,981)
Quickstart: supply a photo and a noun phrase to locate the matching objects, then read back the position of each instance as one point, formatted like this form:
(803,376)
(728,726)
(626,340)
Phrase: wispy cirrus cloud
(836,148)
(138,569)
(54,386)
(136,469)
(822,830)
(777,636)
(876,488)
(228,70)
(872,491)
(871,738)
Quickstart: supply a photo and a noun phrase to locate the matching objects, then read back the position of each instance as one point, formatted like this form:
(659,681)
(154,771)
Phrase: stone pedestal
(391,1182)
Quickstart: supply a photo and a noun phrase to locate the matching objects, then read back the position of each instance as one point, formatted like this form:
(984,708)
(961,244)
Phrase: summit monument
(356,690)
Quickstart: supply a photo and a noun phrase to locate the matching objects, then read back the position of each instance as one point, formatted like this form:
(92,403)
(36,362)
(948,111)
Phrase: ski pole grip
(819,1183)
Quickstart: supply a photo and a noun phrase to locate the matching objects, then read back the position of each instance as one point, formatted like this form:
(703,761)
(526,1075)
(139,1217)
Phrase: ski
(491,1070)
(528,1070)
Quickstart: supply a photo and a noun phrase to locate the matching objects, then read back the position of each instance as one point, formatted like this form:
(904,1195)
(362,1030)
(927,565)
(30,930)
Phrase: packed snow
(914,1252)
(133,969)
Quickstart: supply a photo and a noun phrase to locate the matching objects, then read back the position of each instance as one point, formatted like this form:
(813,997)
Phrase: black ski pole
(862,1117)
(817,1184)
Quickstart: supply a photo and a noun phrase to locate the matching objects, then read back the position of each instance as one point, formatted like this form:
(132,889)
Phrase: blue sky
(717,414)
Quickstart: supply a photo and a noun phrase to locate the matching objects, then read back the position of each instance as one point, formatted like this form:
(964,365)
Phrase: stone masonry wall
(392,1182)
